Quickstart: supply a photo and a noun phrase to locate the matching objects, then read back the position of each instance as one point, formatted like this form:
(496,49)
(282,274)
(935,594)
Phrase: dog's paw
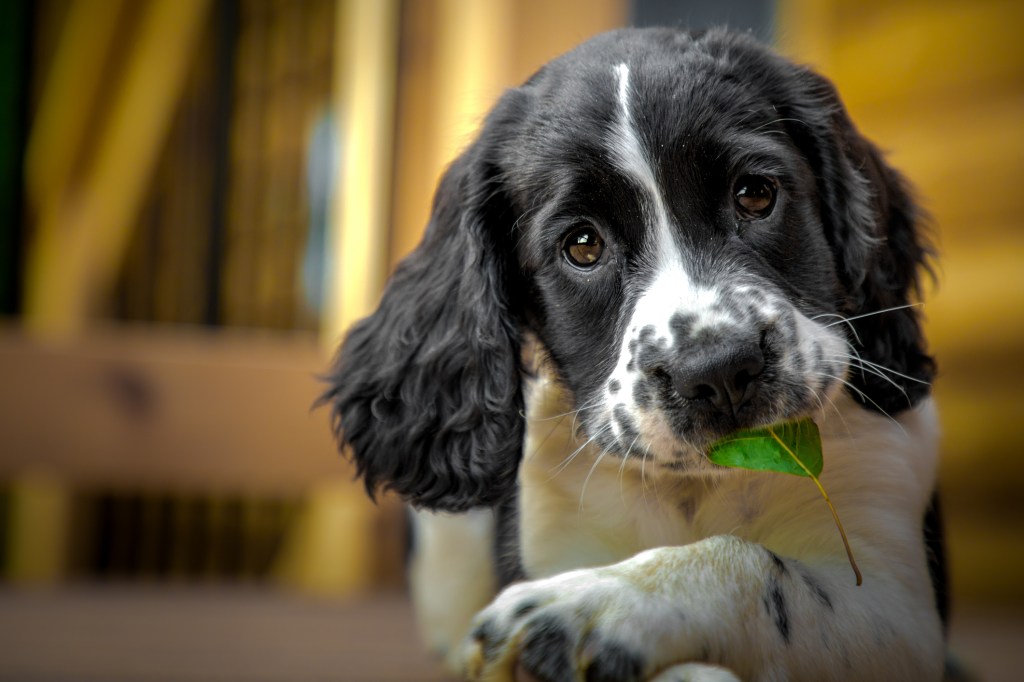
(589,624)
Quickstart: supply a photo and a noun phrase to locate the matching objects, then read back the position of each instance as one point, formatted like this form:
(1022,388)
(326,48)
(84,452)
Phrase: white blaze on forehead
(629,156)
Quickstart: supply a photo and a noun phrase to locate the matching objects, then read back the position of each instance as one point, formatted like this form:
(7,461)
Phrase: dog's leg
(451,575)
(721,600)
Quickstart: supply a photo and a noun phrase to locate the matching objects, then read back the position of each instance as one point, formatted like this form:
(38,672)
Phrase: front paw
(586,624)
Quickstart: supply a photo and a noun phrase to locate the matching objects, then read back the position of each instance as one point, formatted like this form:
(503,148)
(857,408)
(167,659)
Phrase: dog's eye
(583,247)
(755,197)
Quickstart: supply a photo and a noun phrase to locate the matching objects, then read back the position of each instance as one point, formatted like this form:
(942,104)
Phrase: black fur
(546,649)
(426,391)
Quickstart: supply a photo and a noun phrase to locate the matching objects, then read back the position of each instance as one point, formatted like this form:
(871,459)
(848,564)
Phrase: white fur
(446,593)
(630,157)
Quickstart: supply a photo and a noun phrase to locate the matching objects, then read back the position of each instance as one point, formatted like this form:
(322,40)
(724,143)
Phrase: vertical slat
(365,81)
(70,91)
(39,518)
(81,236)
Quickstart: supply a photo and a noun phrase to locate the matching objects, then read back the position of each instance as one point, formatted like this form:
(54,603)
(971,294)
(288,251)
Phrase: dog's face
(691,228)
(684,283)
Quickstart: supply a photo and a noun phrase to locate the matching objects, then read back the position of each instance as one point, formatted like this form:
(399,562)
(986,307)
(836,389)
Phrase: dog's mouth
(677,432)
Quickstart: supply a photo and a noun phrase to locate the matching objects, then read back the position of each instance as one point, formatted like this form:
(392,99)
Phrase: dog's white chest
(580,509)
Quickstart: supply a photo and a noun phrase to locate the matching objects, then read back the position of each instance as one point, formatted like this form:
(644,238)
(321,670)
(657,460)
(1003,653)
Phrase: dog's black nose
(724,375)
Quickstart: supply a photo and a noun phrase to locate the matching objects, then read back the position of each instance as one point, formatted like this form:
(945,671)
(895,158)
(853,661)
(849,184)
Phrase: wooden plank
(168,410)
(199,634)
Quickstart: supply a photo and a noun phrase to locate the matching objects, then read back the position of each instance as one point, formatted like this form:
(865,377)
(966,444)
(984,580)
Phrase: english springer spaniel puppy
(660,238)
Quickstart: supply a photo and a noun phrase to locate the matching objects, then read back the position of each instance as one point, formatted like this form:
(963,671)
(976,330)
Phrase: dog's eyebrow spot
(614,386)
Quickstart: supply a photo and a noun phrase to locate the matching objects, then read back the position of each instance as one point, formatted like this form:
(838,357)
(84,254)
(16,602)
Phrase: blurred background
(198,196)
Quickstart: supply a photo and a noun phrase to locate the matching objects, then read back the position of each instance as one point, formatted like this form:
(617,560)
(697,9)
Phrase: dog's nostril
(726,379)
(702,392)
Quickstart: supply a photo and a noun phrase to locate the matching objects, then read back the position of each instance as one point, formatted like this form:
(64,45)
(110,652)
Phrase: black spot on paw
(547,649)
(779,564)
(775,604)
(817,590)
(614,663)
(525,608)
(491,640)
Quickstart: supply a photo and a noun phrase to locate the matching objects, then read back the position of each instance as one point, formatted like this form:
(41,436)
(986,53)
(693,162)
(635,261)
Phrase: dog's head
(693,231)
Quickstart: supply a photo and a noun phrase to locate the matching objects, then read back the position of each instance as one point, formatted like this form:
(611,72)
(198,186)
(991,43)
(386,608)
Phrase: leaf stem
(835,514)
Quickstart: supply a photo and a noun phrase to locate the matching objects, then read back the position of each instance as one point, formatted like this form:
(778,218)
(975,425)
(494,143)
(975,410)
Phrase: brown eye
(755,197)
(583,247)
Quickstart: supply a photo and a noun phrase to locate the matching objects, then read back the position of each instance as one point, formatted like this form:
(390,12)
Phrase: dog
(658,239)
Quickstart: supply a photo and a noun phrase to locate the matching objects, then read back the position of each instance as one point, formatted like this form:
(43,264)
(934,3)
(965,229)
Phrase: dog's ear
(875,229)
(425,393)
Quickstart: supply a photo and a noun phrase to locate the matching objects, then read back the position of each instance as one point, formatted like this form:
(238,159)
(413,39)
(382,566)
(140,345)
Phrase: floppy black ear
(876,233)
(425,393)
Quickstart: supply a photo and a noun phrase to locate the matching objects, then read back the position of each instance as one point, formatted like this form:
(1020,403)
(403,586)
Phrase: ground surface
(216,634)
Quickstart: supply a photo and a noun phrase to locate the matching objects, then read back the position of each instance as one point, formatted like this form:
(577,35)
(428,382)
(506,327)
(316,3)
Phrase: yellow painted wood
(364,76)
(474,48)
(331,547)
(39,535)
(81,235)
(68,98)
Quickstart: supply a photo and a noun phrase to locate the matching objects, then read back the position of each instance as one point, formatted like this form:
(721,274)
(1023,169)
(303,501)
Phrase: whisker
(563,414)
(545,439)
(568,460)
(872,371)
(876,312)
(883,368)
(583,490)
(622,471)
(865,397)
(835,408)
(841,320)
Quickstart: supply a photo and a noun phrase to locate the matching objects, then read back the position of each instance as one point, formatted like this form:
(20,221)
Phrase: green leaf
(790,448)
